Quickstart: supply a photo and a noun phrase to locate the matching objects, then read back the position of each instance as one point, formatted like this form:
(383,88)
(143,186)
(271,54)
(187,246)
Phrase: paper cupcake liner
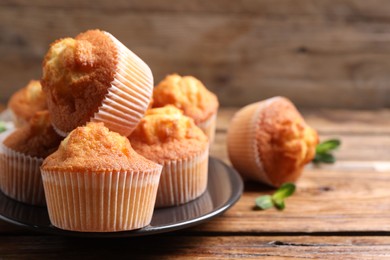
(20,177)
(208,127)
(242,144)
(58,131)
(129,95)
(183,180)
(101,201)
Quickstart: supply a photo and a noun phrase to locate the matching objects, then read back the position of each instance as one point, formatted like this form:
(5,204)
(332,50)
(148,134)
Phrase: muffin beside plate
(269,141)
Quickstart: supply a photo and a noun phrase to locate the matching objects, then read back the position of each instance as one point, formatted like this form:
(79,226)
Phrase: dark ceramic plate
(223,190)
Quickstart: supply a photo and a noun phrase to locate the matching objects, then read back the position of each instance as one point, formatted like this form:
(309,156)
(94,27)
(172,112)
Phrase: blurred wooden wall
(319,53)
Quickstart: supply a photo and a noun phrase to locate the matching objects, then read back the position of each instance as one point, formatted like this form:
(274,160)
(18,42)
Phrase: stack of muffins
(91,144)
(102,148)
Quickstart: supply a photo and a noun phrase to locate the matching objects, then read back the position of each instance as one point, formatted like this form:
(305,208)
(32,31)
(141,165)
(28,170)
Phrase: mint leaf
(264,202)
(327,146)
(277,199)
(325,158)
(284,191)
(279,204)
(2,127)
(323,151)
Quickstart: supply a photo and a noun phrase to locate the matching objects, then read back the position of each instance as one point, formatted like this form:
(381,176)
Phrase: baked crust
(76,76)
(37,138)
(166,134)
(284,141)
(27,101)
(95,148)
(188,94)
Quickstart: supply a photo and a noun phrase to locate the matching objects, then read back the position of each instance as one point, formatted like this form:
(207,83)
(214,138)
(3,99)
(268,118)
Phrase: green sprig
(277,199)
(324,149)
(3,128)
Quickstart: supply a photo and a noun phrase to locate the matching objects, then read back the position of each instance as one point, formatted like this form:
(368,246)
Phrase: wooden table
(338,211)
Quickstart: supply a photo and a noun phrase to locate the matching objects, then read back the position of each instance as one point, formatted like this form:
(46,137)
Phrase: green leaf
(2,127)
(324,158)
(264,202)
(286,190)
(277,199)
(279,204)
(327,146)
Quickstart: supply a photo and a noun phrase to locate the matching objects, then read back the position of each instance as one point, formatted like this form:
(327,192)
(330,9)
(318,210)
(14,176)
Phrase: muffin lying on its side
(270,142)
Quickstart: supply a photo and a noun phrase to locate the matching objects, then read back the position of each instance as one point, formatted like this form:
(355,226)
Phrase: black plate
(223,190)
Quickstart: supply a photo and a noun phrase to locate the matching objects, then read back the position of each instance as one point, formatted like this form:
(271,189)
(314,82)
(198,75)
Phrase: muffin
(94,77)
(24,103)
(171,139)
(191,96)
(270,142)
(22,153)
(96,182)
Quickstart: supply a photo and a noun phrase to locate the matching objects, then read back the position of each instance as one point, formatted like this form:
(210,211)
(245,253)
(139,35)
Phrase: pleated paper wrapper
(101,201)
(129,95)
(20,177)
(242,143)
(183,180)
(208,127)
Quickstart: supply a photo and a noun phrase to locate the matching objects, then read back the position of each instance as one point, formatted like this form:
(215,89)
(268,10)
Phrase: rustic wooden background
(319,53)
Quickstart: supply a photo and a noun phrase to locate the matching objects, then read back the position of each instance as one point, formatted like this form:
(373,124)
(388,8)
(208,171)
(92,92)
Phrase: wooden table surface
(338,211)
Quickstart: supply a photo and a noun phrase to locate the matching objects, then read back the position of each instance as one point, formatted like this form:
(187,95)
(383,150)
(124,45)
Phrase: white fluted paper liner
(58,131)
(101,201)
(183,180)
(242,142)
(209,126)
(20,177)
(129,94)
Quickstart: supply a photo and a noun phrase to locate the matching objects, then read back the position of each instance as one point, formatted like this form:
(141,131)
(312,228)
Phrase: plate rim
(234,196)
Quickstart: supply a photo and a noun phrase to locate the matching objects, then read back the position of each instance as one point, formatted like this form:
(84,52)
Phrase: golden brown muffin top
(28,100)
(76,76)
(95,148)
(285,143)
(188,94)
(166,134)
(37,138)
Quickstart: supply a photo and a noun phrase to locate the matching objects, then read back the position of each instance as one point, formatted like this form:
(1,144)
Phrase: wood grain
(321,54)
(195,247)
(351,195)
(331,121)
(325,201)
